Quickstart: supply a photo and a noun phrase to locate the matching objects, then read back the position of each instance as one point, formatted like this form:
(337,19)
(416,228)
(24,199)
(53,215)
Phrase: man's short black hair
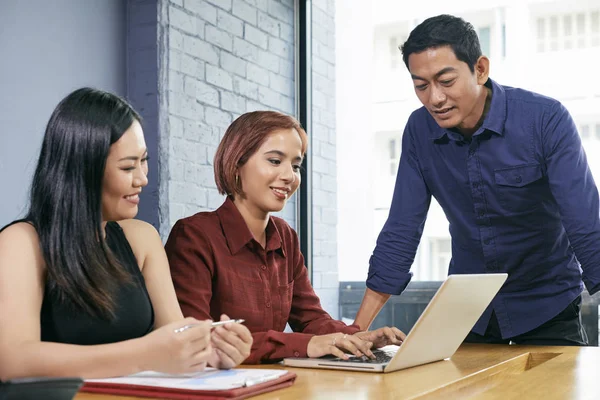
(444,30)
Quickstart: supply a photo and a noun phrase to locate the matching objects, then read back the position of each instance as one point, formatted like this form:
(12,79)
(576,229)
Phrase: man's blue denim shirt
(520,198)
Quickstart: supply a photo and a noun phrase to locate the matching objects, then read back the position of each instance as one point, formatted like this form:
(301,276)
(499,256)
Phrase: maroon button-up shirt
(218,267)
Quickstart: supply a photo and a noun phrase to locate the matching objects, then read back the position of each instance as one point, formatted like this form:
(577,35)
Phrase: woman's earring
(237,180)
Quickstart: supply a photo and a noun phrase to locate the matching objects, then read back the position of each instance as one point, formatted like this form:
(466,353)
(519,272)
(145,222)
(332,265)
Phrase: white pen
(217,323)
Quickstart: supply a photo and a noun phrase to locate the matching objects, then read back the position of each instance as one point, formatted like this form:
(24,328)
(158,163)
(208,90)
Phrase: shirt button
(296,354)
(487,241)
(268,305)
(263,267)
(471,152)
(475,185)
(518,179)
(481,213)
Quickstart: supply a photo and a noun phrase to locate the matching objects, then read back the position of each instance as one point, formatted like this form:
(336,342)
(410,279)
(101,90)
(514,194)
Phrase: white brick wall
(221,58)
(325,268)
(216,60)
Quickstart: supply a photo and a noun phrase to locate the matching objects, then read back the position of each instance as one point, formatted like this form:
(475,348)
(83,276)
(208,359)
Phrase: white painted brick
(323,85)
(286,68)
(200,27)
(201,175)
(200,49)
(328,150)
(268,24)
(255,36)
(232,102)
(175,127)
(260,4)
(191,66)
(329,279)
(176,211)
(217,117)
(219,38)
(202,9)
(174,60)
(203,93)
(184,106)
(268,60)
(280,11)
(245,50)
(281,84)
(257,74)
(176,169)
(245,11)
(196,131)
(281,48)
(229,23)
(245,88)
(287,104)
(319,66)
(186,150)
(268,97)
(176,82)
(211,150)
(224,4)
(215,200)
(182,20)
(286,32)
(254,106)
(233,64)
(219,77)
(175,40)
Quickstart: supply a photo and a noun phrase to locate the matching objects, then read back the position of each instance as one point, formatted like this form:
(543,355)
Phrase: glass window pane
(568,25)
(541,28)
(584,131)
(595,22)
(484,40)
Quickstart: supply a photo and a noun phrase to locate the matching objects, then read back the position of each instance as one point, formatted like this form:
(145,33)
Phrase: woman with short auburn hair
(242,261)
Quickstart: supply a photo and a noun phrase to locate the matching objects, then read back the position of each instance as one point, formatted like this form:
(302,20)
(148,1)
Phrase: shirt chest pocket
(520,188)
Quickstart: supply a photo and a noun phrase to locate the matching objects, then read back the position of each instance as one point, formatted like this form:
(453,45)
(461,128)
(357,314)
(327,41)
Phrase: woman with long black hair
(85,289)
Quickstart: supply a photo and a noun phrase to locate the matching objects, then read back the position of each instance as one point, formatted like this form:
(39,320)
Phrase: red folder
(189,394)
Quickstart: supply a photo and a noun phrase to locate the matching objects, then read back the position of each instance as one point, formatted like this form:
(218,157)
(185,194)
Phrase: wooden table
(475,371)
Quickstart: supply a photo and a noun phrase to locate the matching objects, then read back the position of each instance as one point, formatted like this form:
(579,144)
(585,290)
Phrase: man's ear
(482,69)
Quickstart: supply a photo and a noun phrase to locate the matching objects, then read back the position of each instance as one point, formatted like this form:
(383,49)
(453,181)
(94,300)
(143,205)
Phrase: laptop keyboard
(381,357)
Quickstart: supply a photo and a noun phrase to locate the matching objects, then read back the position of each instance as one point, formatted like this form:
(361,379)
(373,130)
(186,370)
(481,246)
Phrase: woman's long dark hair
(65,200)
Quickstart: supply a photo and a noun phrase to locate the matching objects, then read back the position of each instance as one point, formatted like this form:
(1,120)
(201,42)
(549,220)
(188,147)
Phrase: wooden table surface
(475,371)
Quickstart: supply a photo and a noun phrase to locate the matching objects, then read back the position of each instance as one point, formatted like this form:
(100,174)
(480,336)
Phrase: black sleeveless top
(134,315)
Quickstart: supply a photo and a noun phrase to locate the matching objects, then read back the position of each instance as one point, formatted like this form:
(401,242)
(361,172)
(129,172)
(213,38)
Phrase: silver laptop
(436,335)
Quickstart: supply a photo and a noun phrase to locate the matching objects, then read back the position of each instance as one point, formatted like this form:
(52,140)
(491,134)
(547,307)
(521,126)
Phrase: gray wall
(47,49)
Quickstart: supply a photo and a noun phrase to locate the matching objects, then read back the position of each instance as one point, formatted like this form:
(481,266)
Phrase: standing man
(509,171)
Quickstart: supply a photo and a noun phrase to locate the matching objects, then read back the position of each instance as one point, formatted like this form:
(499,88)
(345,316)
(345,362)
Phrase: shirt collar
(494,120)
(237,234)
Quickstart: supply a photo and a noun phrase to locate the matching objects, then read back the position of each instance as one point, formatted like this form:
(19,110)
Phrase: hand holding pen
(188,351)
(231,342)
(214,324)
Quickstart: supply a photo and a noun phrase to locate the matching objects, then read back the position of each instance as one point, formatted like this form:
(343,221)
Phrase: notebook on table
(208,384)
(437,334)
